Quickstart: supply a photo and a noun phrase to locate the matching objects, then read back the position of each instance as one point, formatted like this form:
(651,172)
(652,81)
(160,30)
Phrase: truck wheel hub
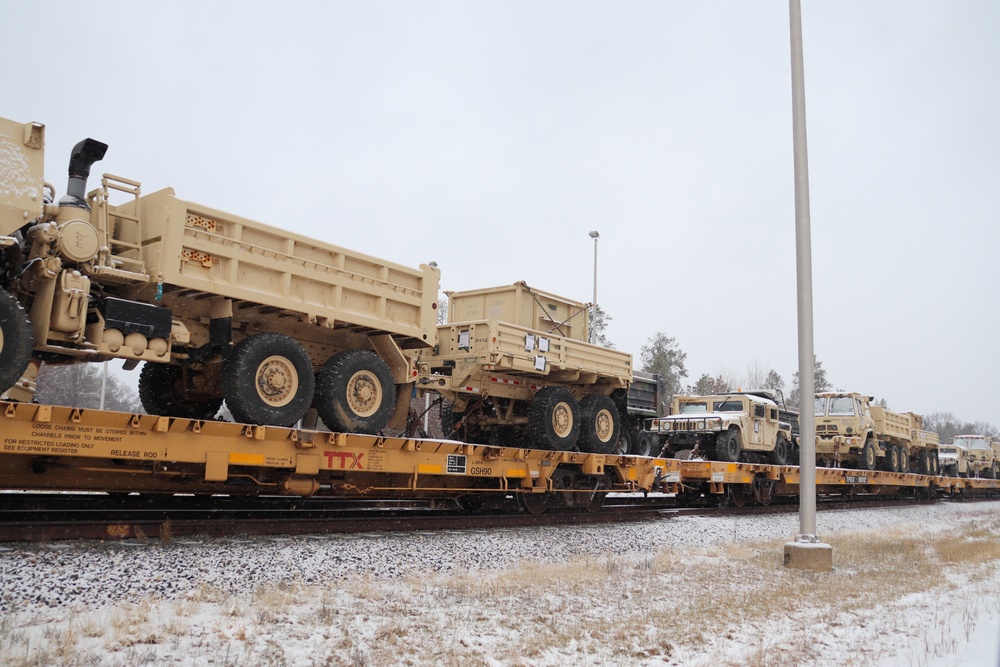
(276,381)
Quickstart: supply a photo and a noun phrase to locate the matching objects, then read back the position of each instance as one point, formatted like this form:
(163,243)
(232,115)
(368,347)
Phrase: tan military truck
(221,308)
(954,460)
(513,363)
(982,457)
(850,428)
(740,426)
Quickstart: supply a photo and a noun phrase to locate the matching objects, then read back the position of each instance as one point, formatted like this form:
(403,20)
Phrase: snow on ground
(912,586)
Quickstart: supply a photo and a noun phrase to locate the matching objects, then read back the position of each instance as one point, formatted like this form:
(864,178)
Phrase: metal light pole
(806,552)
(593,319)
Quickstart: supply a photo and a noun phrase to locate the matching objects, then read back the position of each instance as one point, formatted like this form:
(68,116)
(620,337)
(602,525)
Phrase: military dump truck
(739,426)
(982,456)
(953,460)
(851,429)
(514,363)
(219,307)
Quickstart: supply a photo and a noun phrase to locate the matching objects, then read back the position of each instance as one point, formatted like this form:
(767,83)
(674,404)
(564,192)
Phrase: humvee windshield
(689,408)
(948,450)
(729,406)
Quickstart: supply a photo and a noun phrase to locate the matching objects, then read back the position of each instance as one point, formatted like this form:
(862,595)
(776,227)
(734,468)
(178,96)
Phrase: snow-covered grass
(910,587)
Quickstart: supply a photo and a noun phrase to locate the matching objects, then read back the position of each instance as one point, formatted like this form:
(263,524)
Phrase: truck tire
(867,458)
(600,425)
(924,463)
(891,463)
(626,442)
(779,455)
(904,459)
(727,446)
(161,392)
(355,392)
(268,379)
(15,341)
(554,419)
(646,443)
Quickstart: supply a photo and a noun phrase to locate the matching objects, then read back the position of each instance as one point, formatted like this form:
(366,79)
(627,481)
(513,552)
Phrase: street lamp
(593,319)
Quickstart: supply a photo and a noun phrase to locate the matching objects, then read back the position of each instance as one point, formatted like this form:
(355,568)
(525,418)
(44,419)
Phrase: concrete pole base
(812,556)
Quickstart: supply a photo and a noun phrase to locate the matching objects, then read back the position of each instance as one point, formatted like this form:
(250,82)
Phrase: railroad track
(45,517)
(53,517)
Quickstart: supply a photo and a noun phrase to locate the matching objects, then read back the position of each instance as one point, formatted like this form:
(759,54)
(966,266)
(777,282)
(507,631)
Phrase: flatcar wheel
(554,419)
(268,379)
(355,392)
(600,425)
(763,490)
(161,392)
(596,501)
(727,446)
(534,503)
(737,495)
(15,341)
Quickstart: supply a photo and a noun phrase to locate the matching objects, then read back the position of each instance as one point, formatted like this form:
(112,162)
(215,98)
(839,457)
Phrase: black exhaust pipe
(81,159)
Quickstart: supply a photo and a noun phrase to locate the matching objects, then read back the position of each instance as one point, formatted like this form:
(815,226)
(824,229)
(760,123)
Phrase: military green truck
(981,454)
(738,426)
(513,365)
(219,307)
(851,429)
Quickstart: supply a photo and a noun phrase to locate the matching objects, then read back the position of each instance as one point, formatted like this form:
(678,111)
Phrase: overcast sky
(492,137)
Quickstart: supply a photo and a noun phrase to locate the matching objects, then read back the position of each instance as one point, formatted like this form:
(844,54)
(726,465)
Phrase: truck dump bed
(892,425)
(198,248)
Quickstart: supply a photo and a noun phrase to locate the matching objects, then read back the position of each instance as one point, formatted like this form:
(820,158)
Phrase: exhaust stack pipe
(81,158)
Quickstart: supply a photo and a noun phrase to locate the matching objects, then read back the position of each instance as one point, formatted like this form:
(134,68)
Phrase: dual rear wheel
(558,422)
(268,379)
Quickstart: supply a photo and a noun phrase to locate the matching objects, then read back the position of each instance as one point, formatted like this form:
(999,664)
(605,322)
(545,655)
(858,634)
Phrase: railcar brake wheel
(355,392)
(15,341)
(600,424)
(268,379)
(554,419)
(161,392)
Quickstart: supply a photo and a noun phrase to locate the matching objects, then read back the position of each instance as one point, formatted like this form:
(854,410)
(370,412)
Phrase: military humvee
(739,426)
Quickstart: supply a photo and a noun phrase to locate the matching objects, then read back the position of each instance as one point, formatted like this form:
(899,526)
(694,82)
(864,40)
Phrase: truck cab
(727,427)
(843,425)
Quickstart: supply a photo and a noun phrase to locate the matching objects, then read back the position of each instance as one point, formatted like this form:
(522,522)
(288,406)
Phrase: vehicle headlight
(700,426)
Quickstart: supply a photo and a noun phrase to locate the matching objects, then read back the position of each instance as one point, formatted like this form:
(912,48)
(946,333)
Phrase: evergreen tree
(662,355)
